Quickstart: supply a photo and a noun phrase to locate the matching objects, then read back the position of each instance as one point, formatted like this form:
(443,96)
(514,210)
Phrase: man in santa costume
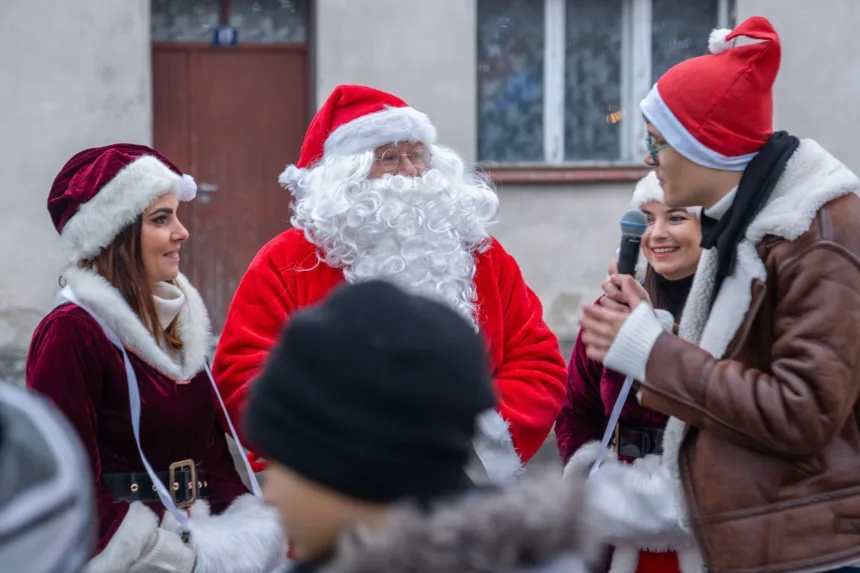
(377,198)
(761,462)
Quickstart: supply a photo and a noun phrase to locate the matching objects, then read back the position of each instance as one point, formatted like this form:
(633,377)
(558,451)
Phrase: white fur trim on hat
(119,203)
(717,43)
(649,189)
(387,126)
(676,135)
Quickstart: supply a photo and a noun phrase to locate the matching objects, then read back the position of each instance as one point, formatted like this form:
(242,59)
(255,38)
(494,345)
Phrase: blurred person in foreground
(762,448)
(671,248)
(48,515)
(123,355)
(376,197)
(366,410)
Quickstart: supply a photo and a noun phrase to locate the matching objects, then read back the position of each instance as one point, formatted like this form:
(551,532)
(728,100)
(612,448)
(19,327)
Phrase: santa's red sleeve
(260,309)
(530,378)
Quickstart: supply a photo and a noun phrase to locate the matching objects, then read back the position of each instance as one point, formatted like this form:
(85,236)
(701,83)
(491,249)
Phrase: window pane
(270,21)
(679,30)
(510,80)
(592,79)
(184,20)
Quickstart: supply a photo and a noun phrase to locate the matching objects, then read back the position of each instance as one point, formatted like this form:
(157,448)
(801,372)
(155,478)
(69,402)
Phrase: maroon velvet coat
(592,391)
(72,362)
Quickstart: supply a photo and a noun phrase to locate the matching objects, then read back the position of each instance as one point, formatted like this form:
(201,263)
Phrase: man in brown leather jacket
(761,462)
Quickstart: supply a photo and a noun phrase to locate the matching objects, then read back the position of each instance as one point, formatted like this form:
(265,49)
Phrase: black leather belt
(184,480)
(633,442)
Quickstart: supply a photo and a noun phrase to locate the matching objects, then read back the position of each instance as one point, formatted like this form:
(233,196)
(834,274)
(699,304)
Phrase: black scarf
(672,295)
(757,183)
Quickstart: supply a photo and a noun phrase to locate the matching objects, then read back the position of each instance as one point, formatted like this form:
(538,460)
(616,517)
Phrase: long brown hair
(121,264)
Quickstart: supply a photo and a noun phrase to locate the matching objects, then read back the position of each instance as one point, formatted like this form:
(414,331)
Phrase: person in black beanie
(370,401)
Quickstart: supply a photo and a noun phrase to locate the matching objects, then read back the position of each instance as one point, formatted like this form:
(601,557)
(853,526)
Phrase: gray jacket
(533,526)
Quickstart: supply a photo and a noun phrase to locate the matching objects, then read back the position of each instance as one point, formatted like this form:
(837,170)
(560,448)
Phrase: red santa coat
(527,366)
(72,362)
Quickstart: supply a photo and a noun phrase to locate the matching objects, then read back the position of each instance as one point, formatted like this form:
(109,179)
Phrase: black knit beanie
(373,394)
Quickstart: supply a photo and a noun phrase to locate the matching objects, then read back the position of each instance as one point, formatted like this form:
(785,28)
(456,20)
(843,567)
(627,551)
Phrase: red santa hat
(648,189)
(355,119)
(717,110)
(102,190)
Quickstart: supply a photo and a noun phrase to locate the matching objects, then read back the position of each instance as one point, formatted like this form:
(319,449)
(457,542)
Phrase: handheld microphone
(633,225)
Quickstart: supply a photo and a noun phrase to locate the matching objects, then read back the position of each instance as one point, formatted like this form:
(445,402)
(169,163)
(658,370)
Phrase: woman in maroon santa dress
(671,247)
(123,355)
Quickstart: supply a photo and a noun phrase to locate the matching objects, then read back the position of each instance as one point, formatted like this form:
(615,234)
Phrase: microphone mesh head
(633,223)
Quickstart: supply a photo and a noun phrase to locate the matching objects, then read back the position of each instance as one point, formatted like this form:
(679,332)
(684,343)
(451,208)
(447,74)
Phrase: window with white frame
(559,81)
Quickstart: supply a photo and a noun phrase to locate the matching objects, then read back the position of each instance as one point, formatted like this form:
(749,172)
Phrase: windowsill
(570,173)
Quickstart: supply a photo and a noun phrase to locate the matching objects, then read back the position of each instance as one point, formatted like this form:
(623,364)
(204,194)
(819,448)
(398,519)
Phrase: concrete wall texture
(818,85)
(77,74)
(74,75)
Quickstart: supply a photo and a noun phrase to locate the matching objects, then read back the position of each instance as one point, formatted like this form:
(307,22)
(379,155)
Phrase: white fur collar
(99,296)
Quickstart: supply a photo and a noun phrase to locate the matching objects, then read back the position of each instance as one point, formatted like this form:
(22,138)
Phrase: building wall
(75,75)
(818,85)
(564,237)
(425,52)
(81,77)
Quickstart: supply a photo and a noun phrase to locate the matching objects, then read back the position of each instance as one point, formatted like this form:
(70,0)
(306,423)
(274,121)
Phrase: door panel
(234,122)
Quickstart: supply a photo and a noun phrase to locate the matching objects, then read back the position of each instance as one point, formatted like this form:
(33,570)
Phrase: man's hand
(601,322)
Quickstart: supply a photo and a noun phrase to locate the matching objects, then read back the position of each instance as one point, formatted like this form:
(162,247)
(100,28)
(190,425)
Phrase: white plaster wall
(425,52)
(73,74)
(818,87)
(563,237)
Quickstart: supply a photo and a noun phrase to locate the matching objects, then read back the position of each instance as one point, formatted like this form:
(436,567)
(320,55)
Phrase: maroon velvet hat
(100,191)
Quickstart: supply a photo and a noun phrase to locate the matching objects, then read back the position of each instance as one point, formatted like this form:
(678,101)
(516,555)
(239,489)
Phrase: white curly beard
(421,233)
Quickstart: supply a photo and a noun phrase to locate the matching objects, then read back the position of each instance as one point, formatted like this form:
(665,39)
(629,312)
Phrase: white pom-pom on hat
(646,190)
(187,188)
(717,42)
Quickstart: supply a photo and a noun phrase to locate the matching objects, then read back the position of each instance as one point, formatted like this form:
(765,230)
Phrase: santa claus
(377,198)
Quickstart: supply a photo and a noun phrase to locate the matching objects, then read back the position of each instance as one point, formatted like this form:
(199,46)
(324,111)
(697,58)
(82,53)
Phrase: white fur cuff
(583,459)
(137,531)
(246,538)
(495,448)
(630,351)
(635,503)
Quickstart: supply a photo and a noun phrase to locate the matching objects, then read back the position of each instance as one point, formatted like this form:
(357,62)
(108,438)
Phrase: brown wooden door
(233,119)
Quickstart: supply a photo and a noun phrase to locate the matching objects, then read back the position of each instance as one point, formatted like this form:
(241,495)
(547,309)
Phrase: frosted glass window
(256,21)
(679,31)
(592,79)
(270,21)
(184,20)
(594,56)
(510,80)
